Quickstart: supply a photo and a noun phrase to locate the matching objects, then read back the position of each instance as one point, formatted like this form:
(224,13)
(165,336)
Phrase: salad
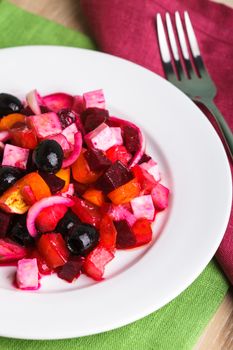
(75,186)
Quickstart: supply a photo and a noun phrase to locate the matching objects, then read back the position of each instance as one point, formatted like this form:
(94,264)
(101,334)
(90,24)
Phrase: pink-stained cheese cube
(152,168)
(100,138)
(94,99)
(69,133)
(120,212)
(143,207)
(15,156)
(160,196)
(27,274)
(116,134)
(46,124)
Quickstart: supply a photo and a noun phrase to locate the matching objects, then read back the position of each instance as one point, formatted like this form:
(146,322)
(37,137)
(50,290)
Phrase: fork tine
(174,47)
(183,44)
(164,50)
(194,45)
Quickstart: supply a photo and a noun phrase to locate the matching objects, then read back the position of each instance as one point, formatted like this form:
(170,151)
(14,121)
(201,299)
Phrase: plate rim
(208,256)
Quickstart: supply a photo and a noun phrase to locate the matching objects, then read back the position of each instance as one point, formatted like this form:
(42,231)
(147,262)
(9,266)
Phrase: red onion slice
(34,100)
(78,140)
(4,136)
(36,208)
(58,101)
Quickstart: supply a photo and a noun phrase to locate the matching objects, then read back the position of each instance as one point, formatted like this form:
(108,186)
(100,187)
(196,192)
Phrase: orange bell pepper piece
(94,196)
(64,174)
(82,172)
(10,120)
(13,201)
(125,193)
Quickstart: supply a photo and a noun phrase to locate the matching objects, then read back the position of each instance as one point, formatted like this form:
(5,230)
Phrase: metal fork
(188,75)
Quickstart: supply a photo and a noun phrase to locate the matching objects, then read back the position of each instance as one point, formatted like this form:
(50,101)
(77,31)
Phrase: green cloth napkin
(176,326)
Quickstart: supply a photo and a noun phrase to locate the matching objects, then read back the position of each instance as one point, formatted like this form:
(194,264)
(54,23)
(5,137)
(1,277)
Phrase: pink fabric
(125,28)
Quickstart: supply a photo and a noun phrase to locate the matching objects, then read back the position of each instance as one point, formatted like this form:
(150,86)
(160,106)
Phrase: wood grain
(218,335)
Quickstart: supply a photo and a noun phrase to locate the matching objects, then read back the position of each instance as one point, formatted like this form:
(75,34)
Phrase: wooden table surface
(218,335)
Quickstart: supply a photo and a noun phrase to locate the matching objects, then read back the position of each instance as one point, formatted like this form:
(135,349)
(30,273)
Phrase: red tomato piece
(95,262)
(146,180)
(87,212)
(52,248)
(142,231)
(118,153)
(48,218)
(24,137)
(108,233)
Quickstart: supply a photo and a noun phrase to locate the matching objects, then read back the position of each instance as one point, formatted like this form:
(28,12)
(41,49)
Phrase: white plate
(193,165)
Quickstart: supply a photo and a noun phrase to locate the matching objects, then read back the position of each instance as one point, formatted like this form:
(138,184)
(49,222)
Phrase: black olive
(82,239)
(67,223)
(8,176)
(9,104)
(48,156)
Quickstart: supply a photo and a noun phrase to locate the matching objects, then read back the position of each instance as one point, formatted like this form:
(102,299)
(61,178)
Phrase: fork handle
(223,127)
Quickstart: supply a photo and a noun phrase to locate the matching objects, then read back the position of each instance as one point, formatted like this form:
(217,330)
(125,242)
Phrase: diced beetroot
(24,137)
(27,274)
(116,134)
(71,270)
(143,207)
(118,153)
(131,139)
(42,266)
(78,104)
(67,117)
(34,100)
(44,125)
(79,188)
(96,261)
(52,248)
(73,156)
(125,237)
(94,99)
(54,182)
(4,136)
(69,133)
(63,142)
(93,117)
(96,159)
(146,180)
(116,175)
(49,217)
(5,220)
(160,196)
(100,138)
(56,102)
(11,251)
(152,168)
(15,156)
(131,135)
(145,158)
(142,231)
(28,195)
(87,212)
